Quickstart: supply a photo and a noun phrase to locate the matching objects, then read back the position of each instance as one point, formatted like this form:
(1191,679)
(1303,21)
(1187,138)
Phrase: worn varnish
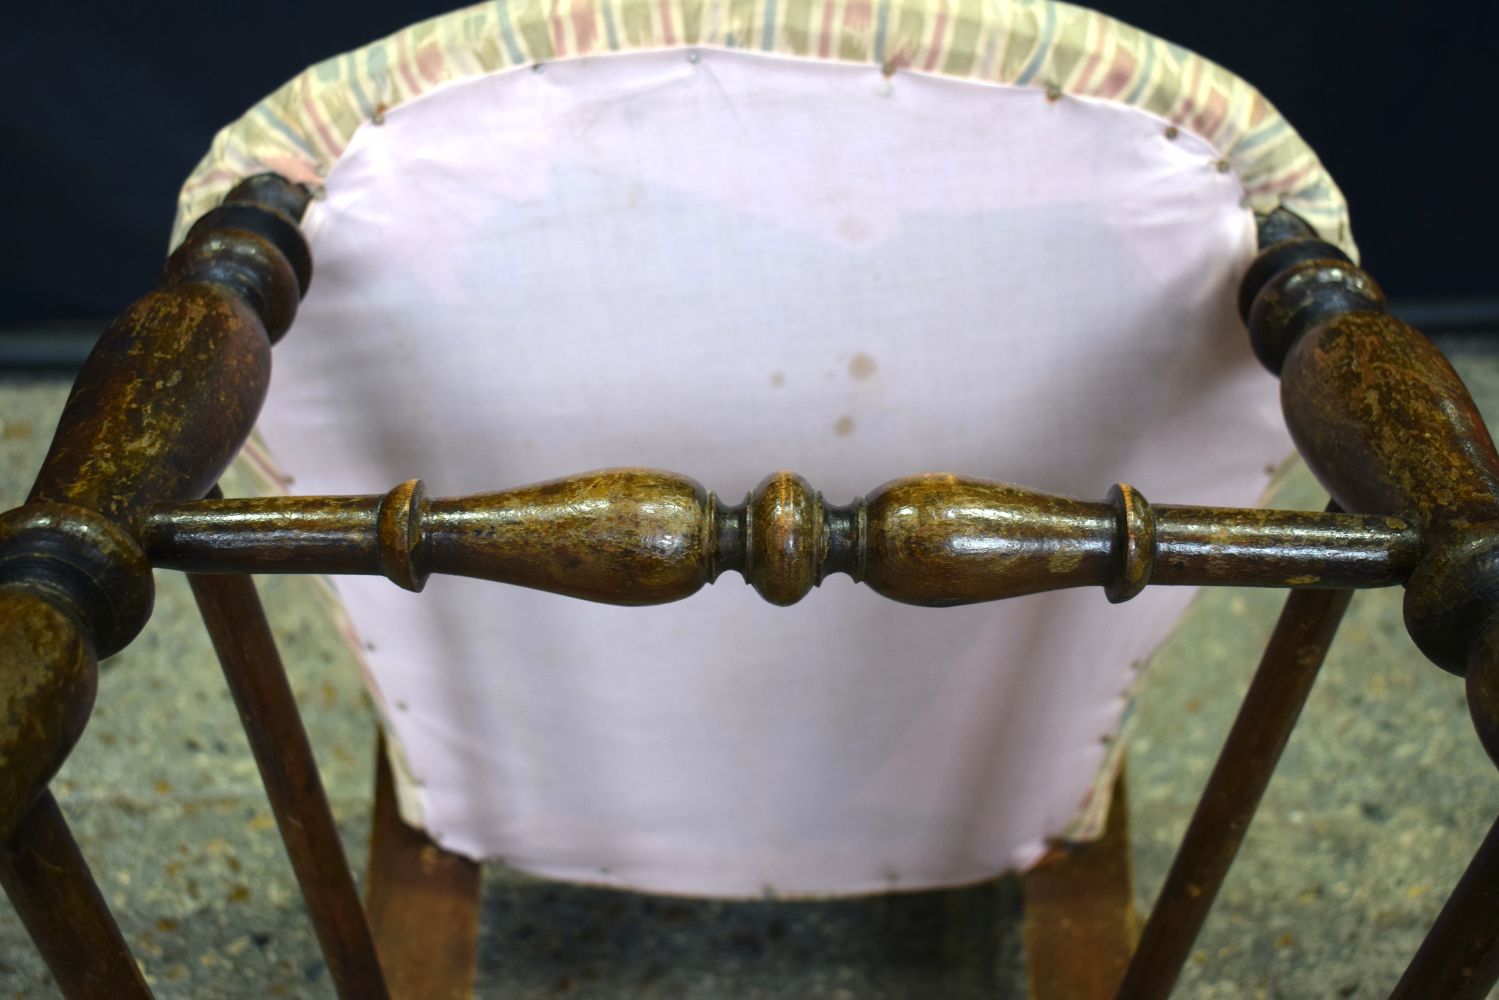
(49,679)
(642,536)
(1388,427)
(162,404)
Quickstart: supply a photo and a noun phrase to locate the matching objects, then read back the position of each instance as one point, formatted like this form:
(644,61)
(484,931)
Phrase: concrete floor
(1380,800)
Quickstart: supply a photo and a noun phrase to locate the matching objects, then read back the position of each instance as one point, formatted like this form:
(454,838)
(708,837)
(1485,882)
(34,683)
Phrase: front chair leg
(49,883)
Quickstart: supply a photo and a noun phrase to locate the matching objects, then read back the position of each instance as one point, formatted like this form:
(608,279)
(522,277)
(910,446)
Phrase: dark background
(112,105)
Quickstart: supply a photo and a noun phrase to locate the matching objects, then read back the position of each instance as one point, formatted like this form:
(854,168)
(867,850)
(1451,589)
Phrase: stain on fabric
(861,366)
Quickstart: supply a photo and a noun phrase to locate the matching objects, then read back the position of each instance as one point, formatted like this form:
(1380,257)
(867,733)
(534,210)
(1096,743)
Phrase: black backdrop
(112,104)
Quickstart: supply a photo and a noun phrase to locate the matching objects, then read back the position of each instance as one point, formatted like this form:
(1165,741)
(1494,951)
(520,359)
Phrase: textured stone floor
(1382,796)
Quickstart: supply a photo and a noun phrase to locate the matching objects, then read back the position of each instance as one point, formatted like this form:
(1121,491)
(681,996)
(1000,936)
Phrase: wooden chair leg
(242,637)
(423,904)
(55,896)
(1266,717)
(1080,920)
(1459,959)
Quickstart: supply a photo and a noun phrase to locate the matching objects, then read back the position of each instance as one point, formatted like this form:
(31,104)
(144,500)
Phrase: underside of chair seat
(727,262)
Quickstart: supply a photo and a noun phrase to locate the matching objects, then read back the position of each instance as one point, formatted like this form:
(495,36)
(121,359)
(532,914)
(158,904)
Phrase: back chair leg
(1460,957)
(1271,706)
(237,624)
(1080,920)
(423,903)
(55,896)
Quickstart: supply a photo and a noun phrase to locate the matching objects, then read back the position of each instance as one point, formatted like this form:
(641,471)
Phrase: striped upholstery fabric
(1066,51)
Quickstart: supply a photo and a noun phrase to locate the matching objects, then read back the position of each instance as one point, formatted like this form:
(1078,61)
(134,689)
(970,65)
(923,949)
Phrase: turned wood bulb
(785,540)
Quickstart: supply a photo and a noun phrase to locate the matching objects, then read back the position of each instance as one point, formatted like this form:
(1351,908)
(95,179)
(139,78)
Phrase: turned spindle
(642,536)
(1387,426)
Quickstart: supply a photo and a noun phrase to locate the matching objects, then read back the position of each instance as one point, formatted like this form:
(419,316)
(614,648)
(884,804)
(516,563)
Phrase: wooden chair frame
(1375,409)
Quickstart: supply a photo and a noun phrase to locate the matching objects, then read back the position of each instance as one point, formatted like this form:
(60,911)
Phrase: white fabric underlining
(725,265)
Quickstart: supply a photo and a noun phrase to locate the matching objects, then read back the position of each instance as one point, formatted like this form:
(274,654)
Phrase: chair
(707,270)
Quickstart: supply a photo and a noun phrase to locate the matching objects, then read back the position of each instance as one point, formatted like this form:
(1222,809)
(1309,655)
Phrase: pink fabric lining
(724,267)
